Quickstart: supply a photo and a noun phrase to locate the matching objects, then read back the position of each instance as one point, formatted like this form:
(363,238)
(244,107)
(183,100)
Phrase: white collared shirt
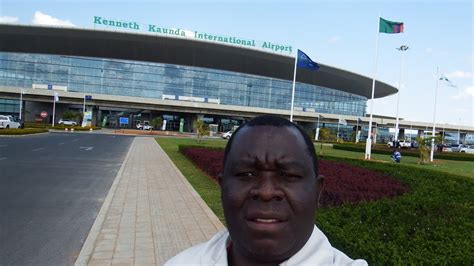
(316,251)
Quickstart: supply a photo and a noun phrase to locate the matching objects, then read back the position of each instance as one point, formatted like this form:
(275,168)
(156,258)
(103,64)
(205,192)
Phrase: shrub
(76,128)
(457,156)
(22,131)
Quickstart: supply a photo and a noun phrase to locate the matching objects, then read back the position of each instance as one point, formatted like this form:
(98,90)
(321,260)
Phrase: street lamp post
(401,49)
(21,102)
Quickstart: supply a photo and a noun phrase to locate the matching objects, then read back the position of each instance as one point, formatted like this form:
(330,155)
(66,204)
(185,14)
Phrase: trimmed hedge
(59,127)
(456,156)
(431,225)
(22,131)
(36,125)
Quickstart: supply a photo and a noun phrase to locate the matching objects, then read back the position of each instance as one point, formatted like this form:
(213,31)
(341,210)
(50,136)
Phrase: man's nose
(267,189)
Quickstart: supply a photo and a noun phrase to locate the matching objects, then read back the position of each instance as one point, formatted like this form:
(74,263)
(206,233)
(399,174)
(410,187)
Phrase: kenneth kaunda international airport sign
(176,32)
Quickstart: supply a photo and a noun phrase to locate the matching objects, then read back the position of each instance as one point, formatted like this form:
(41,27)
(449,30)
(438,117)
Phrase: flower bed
(344,183)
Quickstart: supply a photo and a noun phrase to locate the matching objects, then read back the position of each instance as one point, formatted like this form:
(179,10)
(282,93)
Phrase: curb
(88,246)
(25,135)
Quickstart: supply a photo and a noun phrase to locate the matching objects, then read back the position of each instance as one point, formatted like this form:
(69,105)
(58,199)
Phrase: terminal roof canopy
(179,51)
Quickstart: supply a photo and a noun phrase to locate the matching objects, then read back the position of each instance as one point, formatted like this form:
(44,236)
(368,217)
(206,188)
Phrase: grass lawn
(448,166)
(432,224)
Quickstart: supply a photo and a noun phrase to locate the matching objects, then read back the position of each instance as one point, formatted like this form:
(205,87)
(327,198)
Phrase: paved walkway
(150,214)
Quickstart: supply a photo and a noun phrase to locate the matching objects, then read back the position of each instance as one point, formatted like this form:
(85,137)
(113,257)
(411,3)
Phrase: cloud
(428,50)
(7,19)
(459,74)
(466,93)
(461,110)
(469,90)
(334,39)
(43,19)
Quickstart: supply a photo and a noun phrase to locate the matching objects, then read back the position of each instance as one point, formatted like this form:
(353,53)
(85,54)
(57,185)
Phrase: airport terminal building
(142,76)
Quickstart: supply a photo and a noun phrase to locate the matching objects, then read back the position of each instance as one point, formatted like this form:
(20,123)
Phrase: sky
(336,33)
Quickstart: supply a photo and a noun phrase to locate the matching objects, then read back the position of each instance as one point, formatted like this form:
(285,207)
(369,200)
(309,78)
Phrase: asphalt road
(51,189)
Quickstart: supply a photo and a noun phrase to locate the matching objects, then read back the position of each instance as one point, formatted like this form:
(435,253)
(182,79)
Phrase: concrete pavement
(150,214)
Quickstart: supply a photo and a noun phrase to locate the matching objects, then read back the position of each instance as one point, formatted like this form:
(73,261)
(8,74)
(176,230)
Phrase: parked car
(402,144)
(8,121)
(67,122)
(227,134)
(144,126)
(468,149)
(457,147)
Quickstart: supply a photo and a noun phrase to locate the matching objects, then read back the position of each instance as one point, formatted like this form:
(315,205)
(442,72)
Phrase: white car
(144,126)
(8,121)
(227,135)
(468,149)
(67,122)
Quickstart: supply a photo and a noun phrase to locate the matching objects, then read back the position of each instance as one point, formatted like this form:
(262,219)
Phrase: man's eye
(246,175)
(290,177)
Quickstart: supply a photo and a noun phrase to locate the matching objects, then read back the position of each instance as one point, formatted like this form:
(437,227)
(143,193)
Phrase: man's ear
(219,179)
(319,187)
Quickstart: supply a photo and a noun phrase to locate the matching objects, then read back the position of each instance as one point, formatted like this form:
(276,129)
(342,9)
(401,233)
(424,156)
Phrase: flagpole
(54,107)
(401,49)
(337,136)
(434,116)
(293,90)
(368,144)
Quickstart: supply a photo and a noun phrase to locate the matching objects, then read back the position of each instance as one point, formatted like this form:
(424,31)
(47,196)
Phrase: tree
(157,122)
(424,146)
(324,134)
(201,128)
(69,115)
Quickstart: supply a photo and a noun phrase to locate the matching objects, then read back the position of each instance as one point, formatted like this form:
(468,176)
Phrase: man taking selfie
(269,189)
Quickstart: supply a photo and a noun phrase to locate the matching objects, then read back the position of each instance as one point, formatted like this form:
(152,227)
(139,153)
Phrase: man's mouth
(266,221)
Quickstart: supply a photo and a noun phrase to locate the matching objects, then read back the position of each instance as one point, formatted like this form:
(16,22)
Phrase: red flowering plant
(344,183)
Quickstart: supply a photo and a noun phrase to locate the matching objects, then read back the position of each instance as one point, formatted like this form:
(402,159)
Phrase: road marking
(75,139)
(3,158)
(38,149)
(86,148)
(1,146)
(62,143)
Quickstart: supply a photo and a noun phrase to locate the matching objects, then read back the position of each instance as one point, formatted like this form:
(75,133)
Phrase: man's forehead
(267,137)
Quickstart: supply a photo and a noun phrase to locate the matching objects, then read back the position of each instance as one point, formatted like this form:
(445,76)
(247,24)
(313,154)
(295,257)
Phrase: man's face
(269,193)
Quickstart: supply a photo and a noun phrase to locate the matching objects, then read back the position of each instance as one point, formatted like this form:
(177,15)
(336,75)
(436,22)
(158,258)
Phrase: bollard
(90,129)
(72,129)
(65,129)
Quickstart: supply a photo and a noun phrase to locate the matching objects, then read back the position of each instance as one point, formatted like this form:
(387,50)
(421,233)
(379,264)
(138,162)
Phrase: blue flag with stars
(305,62)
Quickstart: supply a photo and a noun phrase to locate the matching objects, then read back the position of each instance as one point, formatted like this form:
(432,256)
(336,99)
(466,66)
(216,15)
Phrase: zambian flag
(386,26)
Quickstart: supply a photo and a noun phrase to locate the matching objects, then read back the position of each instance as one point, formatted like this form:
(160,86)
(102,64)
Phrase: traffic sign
(44,114)
(88,97)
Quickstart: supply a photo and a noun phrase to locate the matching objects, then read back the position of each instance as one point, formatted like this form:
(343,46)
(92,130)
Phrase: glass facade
(9,106)
(156,80)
